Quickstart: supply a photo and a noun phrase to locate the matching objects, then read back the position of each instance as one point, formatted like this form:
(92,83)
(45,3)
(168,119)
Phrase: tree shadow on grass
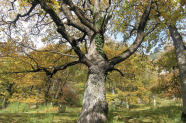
(164,114)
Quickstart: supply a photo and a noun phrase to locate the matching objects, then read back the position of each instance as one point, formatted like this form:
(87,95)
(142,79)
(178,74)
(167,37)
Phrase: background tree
(34,88)
(171,14)
(8,54)
(169,18)
(168,81)
(133,85)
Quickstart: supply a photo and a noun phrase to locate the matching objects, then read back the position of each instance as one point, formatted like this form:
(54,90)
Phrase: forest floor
(166,111)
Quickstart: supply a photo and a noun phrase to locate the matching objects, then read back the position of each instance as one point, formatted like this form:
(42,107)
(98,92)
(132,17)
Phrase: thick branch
(61,28)
(139,38)
(96,10)
(80,14)
(71,19)
(108,15)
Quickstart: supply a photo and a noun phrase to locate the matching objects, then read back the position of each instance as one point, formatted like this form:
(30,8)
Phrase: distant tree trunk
(61,107)
(127,104)
(53,89)
(113,89)
(139,100)
(10,93)
(48,86)
(38,97)
(174,98)
(52,104)
(5,102)
(180,51)
(154,100)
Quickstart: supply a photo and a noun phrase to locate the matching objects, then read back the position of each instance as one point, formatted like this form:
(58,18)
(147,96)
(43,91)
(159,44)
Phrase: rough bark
(95,107)
(180,51)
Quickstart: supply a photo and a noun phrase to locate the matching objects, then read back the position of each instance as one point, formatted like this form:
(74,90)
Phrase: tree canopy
(76,32)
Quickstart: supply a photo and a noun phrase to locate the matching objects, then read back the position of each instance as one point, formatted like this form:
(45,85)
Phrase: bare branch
(24,15)
(63,67)
(108,15)
(60,25)
(118,71)
(152,29)
(32,59)
(131,32)
(12,4)
(75,56)
(29,16)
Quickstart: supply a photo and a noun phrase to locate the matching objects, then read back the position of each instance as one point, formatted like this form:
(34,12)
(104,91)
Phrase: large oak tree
(77,22)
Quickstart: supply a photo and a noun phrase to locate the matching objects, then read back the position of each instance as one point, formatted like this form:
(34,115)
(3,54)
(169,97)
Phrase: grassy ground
(165,112)
(38,118)
(21,113)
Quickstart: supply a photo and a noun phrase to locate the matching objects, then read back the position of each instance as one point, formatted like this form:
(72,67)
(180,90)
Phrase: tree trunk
(127,104)
(113,89)
(180,51)
(154,100)
(174,98)
(61,107)
(95,107)
(5,102)
(48,86)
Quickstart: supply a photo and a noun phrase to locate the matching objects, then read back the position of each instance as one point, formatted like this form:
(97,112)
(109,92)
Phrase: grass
(21,113)
(38,118)
(165,112)
(16,108)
